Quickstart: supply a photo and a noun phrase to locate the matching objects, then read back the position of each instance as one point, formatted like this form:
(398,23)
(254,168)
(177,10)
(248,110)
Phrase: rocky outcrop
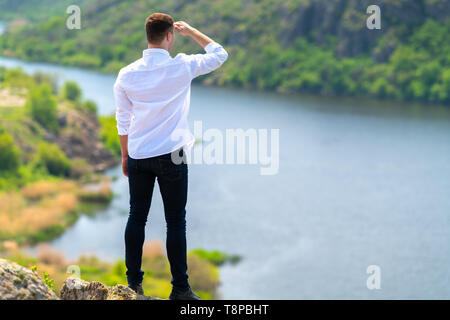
(19,283)
(79,138)
(77,289)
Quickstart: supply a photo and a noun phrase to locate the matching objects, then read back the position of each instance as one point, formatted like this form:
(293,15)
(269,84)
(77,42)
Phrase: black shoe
(137,288)
(187,294)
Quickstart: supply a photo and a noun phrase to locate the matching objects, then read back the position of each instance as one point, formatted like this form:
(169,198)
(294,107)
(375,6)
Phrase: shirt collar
(150,51)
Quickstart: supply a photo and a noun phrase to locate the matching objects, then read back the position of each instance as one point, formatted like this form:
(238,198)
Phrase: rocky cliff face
(20,283)
(79,138)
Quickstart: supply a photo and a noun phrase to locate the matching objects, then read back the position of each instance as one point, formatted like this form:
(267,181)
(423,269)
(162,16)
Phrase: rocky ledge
(20,283)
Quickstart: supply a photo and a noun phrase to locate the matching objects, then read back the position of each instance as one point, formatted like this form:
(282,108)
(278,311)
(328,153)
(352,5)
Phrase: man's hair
(157,26)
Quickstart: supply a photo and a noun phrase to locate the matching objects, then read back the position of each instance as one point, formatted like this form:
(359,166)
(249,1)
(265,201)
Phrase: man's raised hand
(183,28)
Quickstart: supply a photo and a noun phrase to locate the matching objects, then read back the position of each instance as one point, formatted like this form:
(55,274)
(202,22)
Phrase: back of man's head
(157,26)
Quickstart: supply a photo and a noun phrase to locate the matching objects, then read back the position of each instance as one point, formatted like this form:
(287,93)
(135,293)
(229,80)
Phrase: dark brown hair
(157,26)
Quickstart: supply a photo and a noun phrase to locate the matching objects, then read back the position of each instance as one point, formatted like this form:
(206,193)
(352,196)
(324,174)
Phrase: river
(360,183)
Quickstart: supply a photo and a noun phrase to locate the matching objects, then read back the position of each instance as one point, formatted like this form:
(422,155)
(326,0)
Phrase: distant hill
(34,10)
(315,46)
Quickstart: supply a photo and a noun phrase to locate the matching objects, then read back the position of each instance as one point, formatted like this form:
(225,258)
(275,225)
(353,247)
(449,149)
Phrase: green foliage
(269,48)
(34,10)
(41,78)
(89,106)
(109,136)
(48,281)
(215,257)
(9,154)
(41,104)
(2,73)
(71,91)
(46,277)
(17,78)
(53,159)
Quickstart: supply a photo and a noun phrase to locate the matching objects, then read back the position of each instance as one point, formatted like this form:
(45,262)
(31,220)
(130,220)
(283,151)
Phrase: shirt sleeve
(200,64)
(123,109)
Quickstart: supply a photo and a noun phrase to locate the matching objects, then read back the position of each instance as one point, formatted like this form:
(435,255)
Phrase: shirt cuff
(210,47)
(122,131)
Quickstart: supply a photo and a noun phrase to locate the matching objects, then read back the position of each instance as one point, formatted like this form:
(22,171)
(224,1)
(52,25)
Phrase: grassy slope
(272,45)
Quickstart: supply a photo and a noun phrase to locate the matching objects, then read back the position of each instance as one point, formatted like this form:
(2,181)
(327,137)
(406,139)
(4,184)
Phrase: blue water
(360,183)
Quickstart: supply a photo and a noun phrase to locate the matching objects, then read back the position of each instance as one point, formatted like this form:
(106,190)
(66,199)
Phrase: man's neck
(157,47)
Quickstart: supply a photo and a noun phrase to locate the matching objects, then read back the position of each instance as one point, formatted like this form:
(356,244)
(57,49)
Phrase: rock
(19,283)
(120,292)
(78,137)
(77,289)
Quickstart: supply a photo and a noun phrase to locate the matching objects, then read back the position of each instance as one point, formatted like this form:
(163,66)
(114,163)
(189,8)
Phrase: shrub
(108,135)
(215,257)
(2,74)
(17,78)
(53,159)
(51,79)
(9,153)
(41,104)
(71,91)
(89,106)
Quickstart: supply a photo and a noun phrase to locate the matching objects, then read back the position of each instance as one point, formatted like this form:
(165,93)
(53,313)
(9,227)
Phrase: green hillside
(320,47)
(34,10)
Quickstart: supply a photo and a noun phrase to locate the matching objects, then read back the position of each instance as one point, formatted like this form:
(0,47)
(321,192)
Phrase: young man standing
(152,103)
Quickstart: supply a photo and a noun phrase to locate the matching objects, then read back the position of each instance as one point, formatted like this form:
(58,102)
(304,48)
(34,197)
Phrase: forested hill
(34,10)
(314,46)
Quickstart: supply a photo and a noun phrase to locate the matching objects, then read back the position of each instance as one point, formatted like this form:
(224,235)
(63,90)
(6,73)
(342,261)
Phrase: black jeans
(173,184)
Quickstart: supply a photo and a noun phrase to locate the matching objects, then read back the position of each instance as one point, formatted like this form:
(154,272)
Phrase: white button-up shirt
(153,95)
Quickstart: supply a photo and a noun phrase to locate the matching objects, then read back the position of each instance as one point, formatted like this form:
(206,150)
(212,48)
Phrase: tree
(41,104)
(71,91)
(9,153)
(53,159)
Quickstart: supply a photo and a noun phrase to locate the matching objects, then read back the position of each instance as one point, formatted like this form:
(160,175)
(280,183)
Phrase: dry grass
(40,189)
(51,201)
(152,249)
(43,209)
(12,98)
(49,255)
(9,247)
(96,192)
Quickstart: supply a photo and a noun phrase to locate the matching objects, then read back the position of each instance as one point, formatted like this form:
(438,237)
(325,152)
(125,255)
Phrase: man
(152,103)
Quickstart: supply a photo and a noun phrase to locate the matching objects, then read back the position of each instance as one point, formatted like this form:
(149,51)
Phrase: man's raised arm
(200,64)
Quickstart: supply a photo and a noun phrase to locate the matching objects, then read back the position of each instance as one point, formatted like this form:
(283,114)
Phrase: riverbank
(51,158)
